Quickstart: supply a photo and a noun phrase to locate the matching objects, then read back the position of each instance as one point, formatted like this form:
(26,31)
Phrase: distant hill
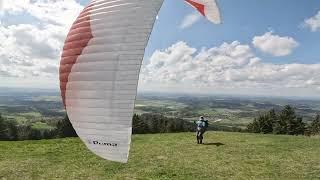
(168,156)
(234,112)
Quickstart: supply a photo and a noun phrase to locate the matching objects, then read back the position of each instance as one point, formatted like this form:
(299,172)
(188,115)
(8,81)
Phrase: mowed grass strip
(168,156)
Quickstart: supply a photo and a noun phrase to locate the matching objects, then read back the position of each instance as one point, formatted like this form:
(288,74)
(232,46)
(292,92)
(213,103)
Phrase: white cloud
(274,44)
(60,12)
(313,23)
(230,67)
(14,6)
(189,20)
(1,4)
(33,50)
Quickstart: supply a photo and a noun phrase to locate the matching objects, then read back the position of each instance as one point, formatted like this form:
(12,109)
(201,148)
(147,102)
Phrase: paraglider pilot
(202,125)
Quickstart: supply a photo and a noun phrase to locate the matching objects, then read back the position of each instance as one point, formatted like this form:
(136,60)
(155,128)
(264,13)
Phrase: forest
(31,114)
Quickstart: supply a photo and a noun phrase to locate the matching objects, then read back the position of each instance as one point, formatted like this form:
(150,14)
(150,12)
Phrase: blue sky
(264,47)
(242,20)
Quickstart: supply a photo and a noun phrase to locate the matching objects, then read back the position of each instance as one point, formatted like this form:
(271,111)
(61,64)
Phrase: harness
(201,125)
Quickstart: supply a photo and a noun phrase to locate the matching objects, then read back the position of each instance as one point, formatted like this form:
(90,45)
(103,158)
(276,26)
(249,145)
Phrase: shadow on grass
(214,144)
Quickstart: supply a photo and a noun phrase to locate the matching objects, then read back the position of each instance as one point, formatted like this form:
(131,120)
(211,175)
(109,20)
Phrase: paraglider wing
(99,72)
(207,8)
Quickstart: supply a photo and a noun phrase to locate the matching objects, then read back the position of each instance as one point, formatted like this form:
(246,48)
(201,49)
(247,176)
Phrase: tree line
(142,124)
(157,123)
(10,130)
(283,122)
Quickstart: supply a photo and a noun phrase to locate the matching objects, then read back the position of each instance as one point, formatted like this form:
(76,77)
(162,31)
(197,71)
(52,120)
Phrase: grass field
(168,156)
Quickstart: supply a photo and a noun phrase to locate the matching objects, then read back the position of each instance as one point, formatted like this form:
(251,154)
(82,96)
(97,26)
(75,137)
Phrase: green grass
(161,103)
(23,118)
(168,156)
(19,119)
(31,114)
(47,98)
(42,126)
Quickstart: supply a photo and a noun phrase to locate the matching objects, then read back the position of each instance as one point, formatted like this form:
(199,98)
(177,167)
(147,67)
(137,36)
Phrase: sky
(266,47)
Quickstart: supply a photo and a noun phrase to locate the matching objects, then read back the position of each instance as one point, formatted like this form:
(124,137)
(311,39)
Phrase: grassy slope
(167,156)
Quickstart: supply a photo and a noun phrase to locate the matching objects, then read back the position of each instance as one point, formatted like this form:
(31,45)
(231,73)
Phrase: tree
(156,123)
(292,124)
(49,134)
(65,129)
(315,126)
(273,116)
(284,123)
(287,120)
(12,130)
(276,123)
(300,126)
(262,124)
(254,127)
(24,131)
(3,129)
(265,124)
(138,125)
(35,134)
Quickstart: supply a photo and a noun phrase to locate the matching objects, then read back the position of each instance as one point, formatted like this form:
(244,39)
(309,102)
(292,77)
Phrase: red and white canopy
(100,65)
(207,8)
